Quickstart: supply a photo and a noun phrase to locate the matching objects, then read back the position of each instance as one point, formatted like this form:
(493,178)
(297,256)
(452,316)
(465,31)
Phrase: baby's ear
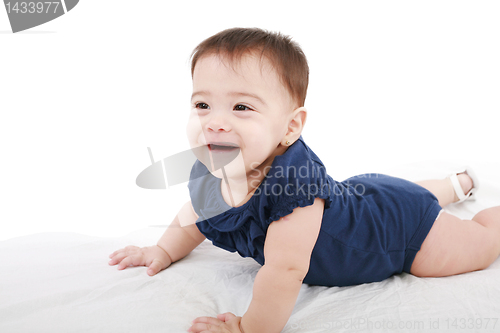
(297,123)
(302,114)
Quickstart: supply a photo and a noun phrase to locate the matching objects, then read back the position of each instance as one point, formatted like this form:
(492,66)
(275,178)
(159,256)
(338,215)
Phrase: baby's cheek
(194,131)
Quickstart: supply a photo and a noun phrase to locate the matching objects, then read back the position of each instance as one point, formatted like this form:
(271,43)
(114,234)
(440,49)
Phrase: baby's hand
(153,257)
(224,323)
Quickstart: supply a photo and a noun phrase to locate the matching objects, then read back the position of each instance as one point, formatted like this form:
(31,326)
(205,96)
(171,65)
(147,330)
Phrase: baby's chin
(231,170)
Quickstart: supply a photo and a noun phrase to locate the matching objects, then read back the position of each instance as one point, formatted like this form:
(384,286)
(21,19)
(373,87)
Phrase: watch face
(24,15)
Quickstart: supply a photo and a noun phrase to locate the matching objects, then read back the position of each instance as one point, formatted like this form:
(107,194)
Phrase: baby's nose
(218,123)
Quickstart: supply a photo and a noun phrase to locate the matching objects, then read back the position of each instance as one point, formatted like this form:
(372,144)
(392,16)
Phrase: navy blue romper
(373,225)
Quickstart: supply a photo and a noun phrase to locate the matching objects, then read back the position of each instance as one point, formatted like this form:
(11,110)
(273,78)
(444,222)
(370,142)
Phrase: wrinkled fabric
(61,282)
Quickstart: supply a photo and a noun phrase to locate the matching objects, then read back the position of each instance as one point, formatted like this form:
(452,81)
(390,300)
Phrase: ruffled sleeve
(295,179)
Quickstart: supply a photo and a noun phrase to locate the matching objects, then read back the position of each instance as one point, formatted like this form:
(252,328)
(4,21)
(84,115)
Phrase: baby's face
(240,104)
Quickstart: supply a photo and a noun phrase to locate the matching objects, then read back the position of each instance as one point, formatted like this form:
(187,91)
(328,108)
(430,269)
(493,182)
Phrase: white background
(83,96)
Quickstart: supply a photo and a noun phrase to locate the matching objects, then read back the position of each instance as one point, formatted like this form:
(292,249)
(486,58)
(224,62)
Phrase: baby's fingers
(134,260)
(129,249)
(206,324)
(117,258)
(125,263)
(155,267)
(115,253)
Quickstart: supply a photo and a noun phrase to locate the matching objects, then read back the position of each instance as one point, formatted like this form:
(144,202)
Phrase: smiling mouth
(222,147)
(216,155)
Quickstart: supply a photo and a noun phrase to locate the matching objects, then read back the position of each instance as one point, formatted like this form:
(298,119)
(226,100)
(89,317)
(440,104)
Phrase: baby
(272,199)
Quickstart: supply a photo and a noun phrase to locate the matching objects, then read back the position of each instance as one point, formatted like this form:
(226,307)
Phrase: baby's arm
(182,235)
(287,250)
(180,238)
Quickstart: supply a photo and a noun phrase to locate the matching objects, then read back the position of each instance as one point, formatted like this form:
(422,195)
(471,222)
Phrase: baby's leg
(443,188)
(455,246)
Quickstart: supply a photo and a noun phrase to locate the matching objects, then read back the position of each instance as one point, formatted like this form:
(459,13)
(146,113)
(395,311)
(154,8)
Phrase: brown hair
(285,55)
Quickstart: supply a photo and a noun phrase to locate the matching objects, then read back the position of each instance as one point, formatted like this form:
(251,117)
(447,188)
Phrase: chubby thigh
(453,246)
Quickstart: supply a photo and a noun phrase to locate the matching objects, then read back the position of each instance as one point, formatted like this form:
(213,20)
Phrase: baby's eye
(202,105)
(241,107)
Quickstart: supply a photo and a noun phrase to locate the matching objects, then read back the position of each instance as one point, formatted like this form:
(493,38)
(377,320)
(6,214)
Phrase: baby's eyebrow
(233,93)
(201,92)
(245,94)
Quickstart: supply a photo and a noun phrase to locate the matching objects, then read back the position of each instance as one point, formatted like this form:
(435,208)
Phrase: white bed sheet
(61,282)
